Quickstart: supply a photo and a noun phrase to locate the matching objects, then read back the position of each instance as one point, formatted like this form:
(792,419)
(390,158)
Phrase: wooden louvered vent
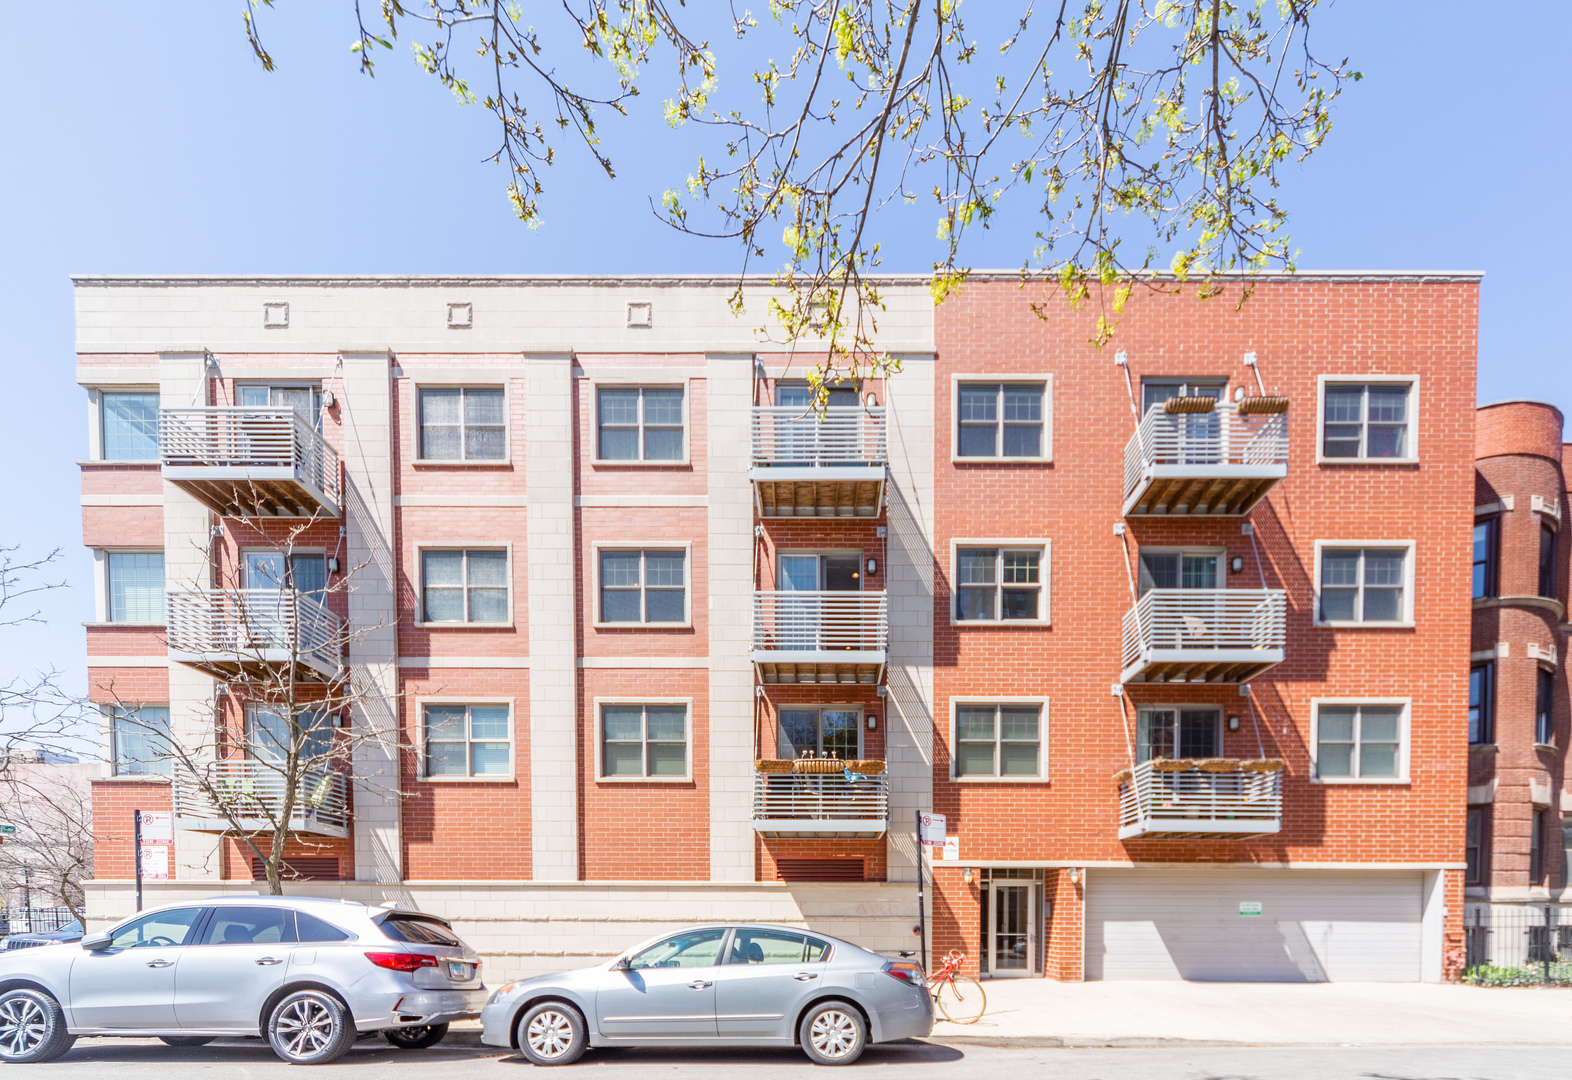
(819,869)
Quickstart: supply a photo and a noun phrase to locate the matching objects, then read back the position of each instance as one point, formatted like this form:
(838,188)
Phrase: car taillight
(910,974)
(401,961)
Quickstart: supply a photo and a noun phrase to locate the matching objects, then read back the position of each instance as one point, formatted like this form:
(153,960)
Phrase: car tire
(310,1027)
(32,1027)
(833,1033)
(552,1033)
(416,1038)
(186,1040)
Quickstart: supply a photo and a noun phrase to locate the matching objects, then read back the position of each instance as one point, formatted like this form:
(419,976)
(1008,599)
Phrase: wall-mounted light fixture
(873,566)
(873,722)
(1233,723)
(1075,876)
(966,874)
(1236,565)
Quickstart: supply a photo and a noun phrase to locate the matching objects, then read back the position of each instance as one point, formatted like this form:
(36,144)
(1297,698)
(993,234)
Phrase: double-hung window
(644,587)
(1364,585)
(1001,420)
(1544,703)
(1536,848)
(645,742)
(134,586)
(140,741)
(1004,583)
(1547,561)
(639,423)
(1487,546)
(129,427)
(1002,741)
(1367,421)
(1359,741)
(1474,846)
(462,423)
(467,740)
(1481,703)
(464,586)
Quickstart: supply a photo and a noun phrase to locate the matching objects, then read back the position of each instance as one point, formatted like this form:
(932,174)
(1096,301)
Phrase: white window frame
(1411,381)
(685,546)
(111,764)
(1403,735)
(101,611)
(420,584)
(468,699)
(1407,620)
(504,383)
(1177,707)
(1045,565)
(1042,776)
(997,378)
(95,422)
(597,735)
(861,709)
(653,383)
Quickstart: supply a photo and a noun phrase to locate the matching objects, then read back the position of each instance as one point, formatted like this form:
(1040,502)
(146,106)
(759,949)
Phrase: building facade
(1170,632)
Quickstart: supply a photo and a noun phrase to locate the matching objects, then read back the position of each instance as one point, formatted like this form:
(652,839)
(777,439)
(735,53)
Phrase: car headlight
(500,992)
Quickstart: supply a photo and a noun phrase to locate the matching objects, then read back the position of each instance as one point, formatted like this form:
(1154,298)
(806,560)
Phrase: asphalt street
(97,1058)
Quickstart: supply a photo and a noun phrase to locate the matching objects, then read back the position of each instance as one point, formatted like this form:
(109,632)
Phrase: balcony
(805,465)
(1219,462)
(837,805)
(253,792)
(254,633)
(820,637)
(250,461)
(1208,799)
(1203,635)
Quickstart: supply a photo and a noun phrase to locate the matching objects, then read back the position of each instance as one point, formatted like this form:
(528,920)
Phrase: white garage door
(1312,925)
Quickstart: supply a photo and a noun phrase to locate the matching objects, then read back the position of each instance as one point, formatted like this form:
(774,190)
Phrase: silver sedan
(717,985)
(307,975)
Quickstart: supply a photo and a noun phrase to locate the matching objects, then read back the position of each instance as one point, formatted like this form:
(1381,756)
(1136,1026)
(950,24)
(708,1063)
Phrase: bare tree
(36,711)
(51,852)
(1145,137)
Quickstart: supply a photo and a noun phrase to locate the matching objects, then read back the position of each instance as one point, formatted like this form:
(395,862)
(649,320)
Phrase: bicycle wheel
(961,999)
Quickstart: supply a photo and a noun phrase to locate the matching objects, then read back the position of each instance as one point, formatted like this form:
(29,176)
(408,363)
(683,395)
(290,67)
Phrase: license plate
(458,971)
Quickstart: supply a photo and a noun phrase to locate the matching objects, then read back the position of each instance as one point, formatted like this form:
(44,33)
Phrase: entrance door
(1198,618)
(1011,937)
(819,623)
(268,617)
(1178,733)
(1197,432)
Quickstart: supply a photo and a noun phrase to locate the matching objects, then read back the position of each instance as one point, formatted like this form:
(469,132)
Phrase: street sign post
(930,833)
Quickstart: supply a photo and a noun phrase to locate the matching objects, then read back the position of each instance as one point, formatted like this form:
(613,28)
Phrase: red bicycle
(960,998)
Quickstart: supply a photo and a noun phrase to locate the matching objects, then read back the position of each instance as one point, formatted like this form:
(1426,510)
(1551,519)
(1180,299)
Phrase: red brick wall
(114,830)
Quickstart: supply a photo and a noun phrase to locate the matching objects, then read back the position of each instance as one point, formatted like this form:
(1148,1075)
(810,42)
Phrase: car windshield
(697,948)
(72,927)
(419,931)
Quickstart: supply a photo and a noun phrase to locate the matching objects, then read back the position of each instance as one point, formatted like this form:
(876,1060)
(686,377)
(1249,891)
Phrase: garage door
(1253,925)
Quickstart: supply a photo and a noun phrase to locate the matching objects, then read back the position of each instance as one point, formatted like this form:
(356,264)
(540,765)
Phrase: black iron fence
(34,921)
(1518,945)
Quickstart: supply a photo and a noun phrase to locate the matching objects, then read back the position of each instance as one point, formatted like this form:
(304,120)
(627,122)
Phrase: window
(140,740)
(1544,700)
(1547,561)
(130,425)
(774,947)
(694,948)
(311,928)
(463,424)
(305,572)
(1156,392)
(1366,421)
(160,928)
(249,926)
(1178,570)
(305,400)
(638,424)
(644,587)
(1001,584)
(1000,420)
(269,735)
(1003,741)
(419,930)
(1359,742)
(1178,733)
(1536,848)
(468,740)
(1363,585)
(825,732)
(1482,703)
(1474,845)
(1487,539)
(646,742)
(468,586)
(135,586)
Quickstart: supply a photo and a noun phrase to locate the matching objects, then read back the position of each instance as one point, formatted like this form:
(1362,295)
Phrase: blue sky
(144,138)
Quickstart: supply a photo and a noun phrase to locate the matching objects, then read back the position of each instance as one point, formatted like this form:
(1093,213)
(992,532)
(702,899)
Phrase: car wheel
(186,1040)
(552,1033)
(833,1033)
(416,1038)
(310,1027)
(32,1027)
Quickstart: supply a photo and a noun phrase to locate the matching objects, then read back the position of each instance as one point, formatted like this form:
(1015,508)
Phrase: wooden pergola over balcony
(808,465)
(1216,459)
(1205,799)
(1204,635)
(245,461)
(820,637)
(254,633)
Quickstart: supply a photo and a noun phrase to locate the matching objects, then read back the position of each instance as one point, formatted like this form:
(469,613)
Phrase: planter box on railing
(1219,462)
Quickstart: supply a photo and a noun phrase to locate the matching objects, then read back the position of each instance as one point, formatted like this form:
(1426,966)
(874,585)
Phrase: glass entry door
(1178,733)
(1011,938)
(813,623)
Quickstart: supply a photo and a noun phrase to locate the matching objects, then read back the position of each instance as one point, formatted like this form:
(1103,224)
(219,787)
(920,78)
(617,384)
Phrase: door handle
(699,984)
(804,976)
(159,963)
(269,960)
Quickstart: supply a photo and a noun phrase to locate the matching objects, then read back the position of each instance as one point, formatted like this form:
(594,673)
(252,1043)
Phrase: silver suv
(308,975)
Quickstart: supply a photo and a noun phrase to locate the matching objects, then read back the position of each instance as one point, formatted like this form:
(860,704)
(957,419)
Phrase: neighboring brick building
(1517,836)
(609,630)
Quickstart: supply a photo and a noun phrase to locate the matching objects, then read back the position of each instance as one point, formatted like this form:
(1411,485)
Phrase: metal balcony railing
(266,448)
(831,804)
(253,793)
(1205,632)
(820,622)
(845,436)
(1163,798)
(228,631)
(1171,456)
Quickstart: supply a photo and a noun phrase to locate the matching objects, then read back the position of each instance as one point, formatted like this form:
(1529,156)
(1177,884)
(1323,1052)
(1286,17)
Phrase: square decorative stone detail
(275,316)
(641,314)
(461,316)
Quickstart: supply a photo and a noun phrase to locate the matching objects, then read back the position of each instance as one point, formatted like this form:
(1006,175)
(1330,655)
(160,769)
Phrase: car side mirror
(622,964)
(96,942)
